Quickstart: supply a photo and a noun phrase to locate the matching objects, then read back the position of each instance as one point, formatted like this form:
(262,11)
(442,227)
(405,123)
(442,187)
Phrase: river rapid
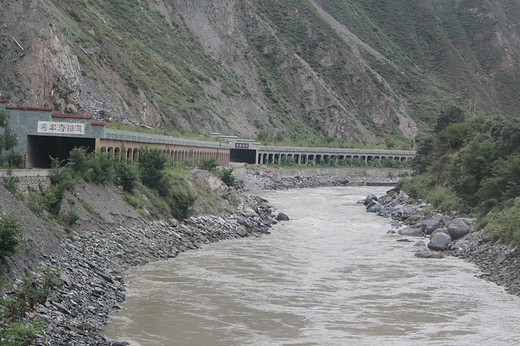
(329,276)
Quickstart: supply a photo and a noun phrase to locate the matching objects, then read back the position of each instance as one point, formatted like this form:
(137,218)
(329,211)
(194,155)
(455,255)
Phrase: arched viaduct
(303,155)
(126,145)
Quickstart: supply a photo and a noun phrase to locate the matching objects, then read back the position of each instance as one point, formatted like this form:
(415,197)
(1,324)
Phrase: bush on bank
(472,167)
(153,182)
(21,301)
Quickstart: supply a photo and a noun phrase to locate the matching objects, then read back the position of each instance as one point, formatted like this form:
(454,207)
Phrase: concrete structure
(252,152)
(42,133)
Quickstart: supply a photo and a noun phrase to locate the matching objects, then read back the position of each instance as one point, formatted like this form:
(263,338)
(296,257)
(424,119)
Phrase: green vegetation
(153,185)
(33,291)
(10,228)
(472,167)
(226,175)
(7,143)
(209,164)
(157,173)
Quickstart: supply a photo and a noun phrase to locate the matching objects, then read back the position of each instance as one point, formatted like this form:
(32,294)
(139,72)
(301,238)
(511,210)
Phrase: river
(329,276)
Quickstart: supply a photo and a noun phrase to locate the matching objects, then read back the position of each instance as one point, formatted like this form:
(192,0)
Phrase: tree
(448,116)
(7,142)
(10,228)
(152,165)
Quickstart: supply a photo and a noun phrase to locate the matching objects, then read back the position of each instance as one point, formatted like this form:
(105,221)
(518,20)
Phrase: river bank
(275,178)
(112,237)
(449,234)
(91,285)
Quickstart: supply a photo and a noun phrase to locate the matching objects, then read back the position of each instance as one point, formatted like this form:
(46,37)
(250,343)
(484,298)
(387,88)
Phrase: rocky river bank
(276,178)
(111,237)
(437,235)
(90,286)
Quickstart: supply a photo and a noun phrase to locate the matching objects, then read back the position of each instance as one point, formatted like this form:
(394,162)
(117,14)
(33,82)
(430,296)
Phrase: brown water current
(329,276)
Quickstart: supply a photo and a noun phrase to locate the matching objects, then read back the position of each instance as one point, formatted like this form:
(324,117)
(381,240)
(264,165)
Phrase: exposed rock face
(47,72)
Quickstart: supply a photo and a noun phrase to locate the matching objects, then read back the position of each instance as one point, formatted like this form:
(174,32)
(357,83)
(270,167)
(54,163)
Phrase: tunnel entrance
(41,148)
(242,155)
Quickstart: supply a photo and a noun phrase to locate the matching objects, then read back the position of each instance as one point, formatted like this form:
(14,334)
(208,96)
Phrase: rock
(391,232)
(249,212)
(241,231)
(440,241)
(430,225)
(420,243)
(374,207)
(410,231)
(428,254)
(459,227)
(282,217)
(440,230)
(61,308)
(500,258)
(118,343)
(370,198)
(86,326)
(404,240)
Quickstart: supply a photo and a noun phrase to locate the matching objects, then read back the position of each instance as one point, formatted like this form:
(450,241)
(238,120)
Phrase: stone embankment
(274,178)
(90,285)
(448,234)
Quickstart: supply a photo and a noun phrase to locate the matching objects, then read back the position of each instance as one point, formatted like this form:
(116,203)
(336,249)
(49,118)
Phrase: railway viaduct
(254,153)
(42,134)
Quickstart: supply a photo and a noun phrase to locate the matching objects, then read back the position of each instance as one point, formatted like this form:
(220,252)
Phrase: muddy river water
(329,276)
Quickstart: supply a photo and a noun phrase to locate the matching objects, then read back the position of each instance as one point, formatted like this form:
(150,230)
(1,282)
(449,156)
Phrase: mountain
(309,71)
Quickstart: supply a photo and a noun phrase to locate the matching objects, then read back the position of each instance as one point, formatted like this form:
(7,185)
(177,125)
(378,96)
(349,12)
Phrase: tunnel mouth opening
(242,155)
(40,149)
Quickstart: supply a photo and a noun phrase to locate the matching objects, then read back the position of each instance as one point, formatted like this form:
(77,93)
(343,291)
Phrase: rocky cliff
(302,70)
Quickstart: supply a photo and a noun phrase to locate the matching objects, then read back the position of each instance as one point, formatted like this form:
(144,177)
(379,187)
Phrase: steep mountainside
(305,70)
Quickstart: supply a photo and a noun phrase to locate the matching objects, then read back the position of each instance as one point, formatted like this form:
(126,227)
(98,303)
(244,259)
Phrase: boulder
(459,227)
(439,241)
(446,220)
(420,243)
(370,198)
(439,230)
(374,207)
(282,217)
(430,225)
(410,231)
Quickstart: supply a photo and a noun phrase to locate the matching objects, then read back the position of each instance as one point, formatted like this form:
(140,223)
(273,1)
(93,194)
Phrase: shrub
(126,176)
(152,164)
(182,200)
(78,159)
(209,164)
(226,175)
(10,228)
(505,225)
(444,199)
(33,291)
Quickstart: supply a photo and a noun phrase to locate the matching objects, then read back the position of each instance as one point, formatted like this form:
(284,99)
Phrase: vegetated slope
(306,70)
